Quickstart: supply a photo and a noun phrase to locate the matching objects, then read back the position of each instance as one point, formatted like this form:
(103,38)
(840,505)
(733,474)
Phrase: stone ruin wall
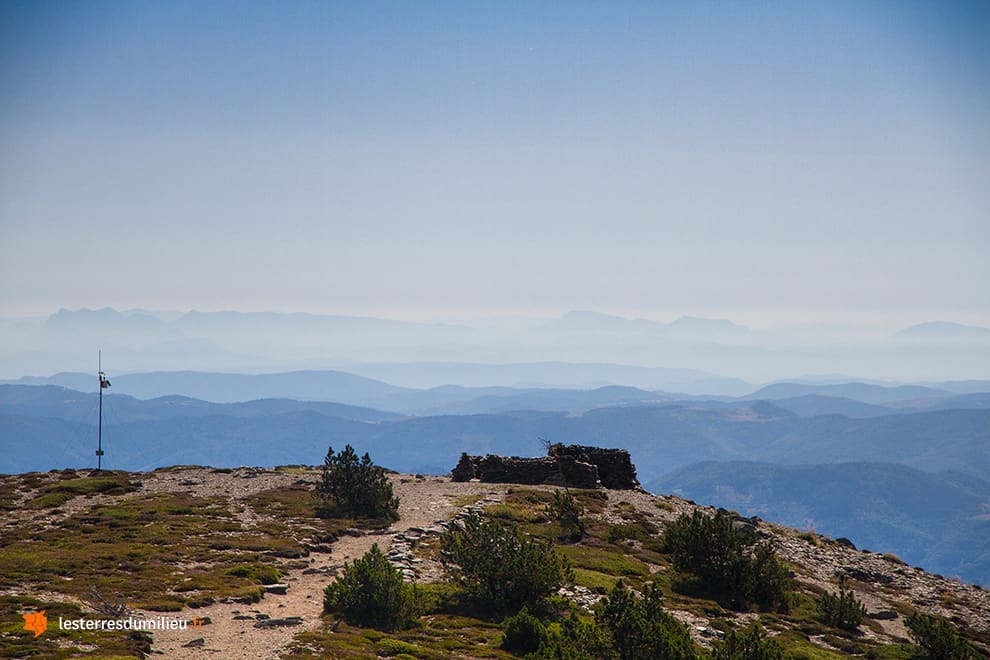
(565,465)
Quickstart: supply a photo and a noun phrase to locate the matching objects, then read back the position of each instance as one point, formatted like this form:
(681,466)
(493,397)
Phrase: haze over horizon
(723,357)
(766,164)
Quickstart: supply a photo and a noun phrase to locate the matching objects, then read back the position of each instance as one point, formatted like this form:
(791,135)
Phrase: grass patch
(257,573)
(60,492)
(894,652)
(389,648)
(799,648)
(296,504)
(597,582)
(129,551)
(642,531)
(297,469)
(465,500)
(436,637)
(296,501)
(529,496)
(515,513)
(593,501)
(604,561)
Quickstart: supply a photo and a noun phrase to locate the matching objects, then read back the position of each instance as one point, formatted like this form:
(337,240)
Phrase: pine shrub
(566,512)
(499,567)
(730,562)
(639,627)
(371,593)
(750,645)
(841,610)
(524,633)
(939,638)
(576,639)
(352,487)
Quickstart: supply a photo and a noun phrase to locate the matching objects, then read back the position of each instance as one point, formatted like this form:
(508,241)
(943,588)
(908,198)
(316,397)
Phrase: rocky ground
(239,631)
(883,583)
(269,627)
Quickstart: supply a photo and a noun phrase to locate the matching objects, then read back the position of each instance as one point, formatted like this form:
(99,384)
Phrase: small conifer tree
(353,487)
(499,566)
(639,627)
(939,638)
(566,512)
(371,593)
(524,633)
(750,645)
(841,610)
(728,561)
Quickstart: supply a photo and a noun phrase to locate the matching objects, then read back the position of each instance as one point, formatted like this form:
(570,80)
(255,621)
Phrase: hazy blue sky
(761,161)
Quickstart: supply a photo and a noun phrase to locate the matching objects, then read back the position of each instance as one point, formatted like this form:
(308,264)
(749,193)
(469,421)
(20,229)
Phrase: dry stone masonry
(565,465)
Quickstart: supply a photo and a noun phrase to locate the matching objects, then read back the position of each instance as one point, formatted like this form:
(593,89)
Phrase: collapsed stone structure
(564,465)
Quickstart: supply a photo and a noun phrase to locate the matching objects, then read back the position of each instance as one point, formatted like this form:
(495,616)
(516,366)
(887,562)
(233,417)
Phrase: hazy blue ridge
(864,392)
(68,404)
(46,427)
(661,438)
(812,405)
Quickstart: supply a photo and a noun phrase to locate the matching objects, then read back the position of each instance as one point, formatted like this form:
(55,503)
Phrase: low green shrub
(353,487)
(575,638)
(258,573)
(500,567)
(371,593)
(841,610)
(524,633)
(750,645)
(640,627)
(730,562)
(939,638)
(566,512)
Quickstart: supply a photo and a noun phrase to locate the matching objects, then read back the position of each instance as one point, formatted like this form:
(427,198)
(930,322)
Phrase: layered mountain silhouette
(159,419)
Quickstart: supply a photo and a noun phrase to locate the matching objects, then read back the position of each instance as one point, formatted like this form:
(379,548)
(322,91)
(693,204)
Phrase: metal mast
(99,433)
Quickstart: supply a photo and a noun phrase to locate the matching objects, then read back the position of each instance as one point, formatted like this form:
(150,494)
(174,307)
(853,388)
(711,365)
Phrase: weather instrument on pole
(104,383)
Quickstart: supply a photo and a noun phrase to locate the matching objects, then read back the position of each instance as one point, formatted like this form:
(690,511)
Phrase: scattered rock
(276,623)
(883,615)
(845,543)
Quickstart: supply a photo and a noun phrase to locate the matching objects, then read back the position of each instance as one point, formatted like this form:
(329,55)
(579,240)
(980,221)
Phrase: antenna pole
(99,432)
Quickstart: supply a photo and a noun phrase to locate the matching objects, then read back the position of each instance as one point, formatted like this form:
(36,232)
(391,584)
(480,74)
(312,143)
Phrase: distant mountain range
(546,374)
(806,400)
(939,521)
(944,330)
(661,436)
(866,393)
(333,386)
(71,405)
(47,427)
(691,354)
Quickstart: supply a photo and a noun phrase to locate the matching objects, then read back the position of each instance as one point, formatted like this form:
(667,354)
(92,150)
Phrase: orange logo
(35,622)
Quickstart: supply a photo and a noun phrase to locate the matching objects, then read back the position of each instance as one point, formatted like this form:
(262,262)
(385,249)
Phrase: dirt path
(423,503)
